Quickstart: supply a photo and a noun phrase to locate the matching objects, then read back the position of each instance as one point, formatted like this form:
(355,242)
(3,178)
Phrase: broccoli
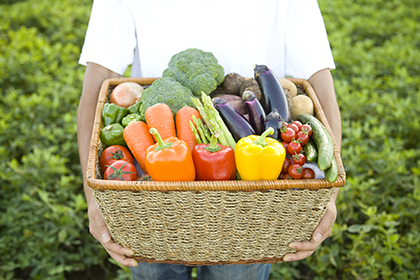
(165,90)
(195,69)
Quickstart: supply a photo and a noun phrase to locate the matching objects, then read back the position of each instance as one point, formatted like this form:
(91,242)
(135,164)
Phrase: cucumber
(310,151)
(331,174)
(322,139)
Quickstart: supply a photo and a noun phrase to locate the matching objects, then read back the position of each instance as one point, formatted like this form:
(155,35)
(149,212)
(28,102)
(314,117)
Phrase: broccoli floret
(195,69)
(168,91)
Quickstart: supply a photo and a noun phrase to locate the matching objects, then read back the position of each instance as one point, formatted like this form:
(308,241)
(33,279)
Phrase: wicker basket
(207,223)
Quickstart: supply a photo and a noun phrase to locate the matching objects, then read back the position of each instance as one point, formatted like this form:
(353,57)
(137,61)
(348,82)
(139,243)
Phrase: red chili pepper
(214,161)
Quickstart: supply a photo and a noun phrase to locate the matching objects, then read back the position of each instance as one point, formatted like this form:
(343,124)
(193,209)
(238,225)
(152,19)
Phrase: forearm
(323,84)
(93,78)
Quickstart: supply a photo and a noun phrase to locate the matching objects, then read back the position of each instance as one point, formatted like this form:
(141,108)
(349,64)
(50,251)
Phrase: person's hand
(99,230)
(306,248)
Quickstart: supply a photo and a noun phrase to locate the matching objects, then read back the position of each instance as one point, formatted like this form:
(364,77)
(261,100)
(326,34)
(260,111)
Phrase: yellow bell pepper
(259,157)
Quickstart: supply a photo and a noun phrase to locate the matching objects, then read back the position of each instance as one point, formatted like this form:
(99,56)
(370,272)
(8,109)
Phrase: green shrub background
(43,221)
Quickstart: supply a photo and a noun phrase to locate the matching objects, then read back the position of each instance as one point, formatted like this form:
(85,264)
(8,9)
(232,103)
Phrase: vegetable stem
(202,130)
(225,133)
(213,147)
(261,139)
(161,145)
(195,132)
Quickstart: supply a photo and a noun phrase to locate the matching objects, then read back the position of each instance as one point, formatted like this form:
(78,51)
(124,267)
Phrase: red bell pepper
(214,161)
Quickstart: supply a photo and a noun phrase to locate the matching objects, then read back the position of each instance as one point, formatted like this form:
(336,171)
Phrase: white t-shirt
(288,36)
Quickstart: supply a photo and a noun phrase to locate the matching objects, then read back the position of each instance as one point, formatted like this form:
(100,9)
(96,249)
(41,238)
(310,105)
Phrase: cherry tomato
(299,159)
(145,177)
(295,171)
(285,144)
(308,173)
(286,177)
(294,147)
(298,124)
(294,127)
(121,170)
(286,164)
(306,128)
(113,153)
(302,137)
(288,134)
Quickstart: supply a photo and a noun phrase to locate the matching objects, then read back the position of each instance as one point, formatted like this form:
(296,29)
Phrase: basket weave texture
(209,222)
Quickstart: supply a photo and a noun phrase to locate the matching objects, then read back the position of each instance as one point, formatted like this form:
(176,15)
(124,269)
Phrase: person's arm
(323,85)
(93,78)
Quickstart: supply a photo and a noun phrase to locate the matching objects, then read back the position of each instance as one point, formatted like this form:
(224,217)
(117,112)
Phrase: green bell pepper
(112,135)
(134,108)
(129,118)
(112,113)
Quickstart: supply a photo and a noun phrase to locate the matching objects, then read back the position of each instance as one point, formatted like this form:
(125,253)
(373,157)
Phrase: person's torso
(240,33)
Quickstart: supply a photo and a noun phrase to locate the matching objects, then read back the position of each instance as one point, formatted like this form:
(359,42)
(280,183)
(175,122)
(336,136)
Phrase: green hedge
(43,221)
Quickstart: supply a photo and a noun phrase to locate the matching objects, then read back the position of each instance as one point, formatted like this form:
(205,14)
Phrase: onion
(126,94)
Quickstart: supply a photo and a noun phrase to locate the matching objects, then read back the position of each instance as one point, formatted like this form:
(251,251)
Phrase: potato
(251,85)
(289,85)
(232,83)
(302,104)
(289,99)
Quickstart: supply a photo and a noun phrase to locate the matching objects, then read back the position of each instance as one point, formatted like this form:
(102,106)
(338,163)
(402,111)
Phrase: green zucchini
(322,139)
(331,174)
(310,150)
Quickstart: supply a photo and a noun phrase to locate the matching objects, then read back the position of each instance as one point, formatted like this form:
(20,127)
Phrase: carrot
(160,116)
(138,139)
(183,129)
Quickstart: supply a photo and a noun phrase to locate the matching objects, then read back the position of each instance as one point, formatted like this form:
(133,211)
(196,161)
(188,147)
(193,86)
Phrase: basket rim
(231,185)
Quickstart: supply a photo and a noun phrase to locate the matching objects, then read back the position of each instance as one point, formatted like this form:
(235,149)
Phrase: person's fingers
(123,260)
(306,248)
(99,230)
(299,255)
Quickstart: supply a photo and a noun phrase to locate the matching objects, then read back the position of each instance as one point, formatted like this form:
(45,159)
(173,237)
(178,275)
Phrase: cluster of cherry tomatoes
(294,136)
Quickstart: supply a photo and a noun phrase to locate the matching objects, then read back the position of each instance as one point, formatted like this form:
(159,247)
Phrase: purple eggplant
(256,113)
(235,122)
(275,121)
(272,93)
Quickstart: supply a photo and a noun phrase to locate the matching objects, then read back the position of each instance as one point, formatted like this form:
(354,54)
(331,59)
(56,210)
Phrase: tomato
(303,137)
(307,129)
(287,134)
(286,164)
(299,159)
(298,124)
(285,144)
(286,177)
(294,127)
(308,173)
(145,177)
(113,153)
(121,170)
(295,171)
(294,147)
